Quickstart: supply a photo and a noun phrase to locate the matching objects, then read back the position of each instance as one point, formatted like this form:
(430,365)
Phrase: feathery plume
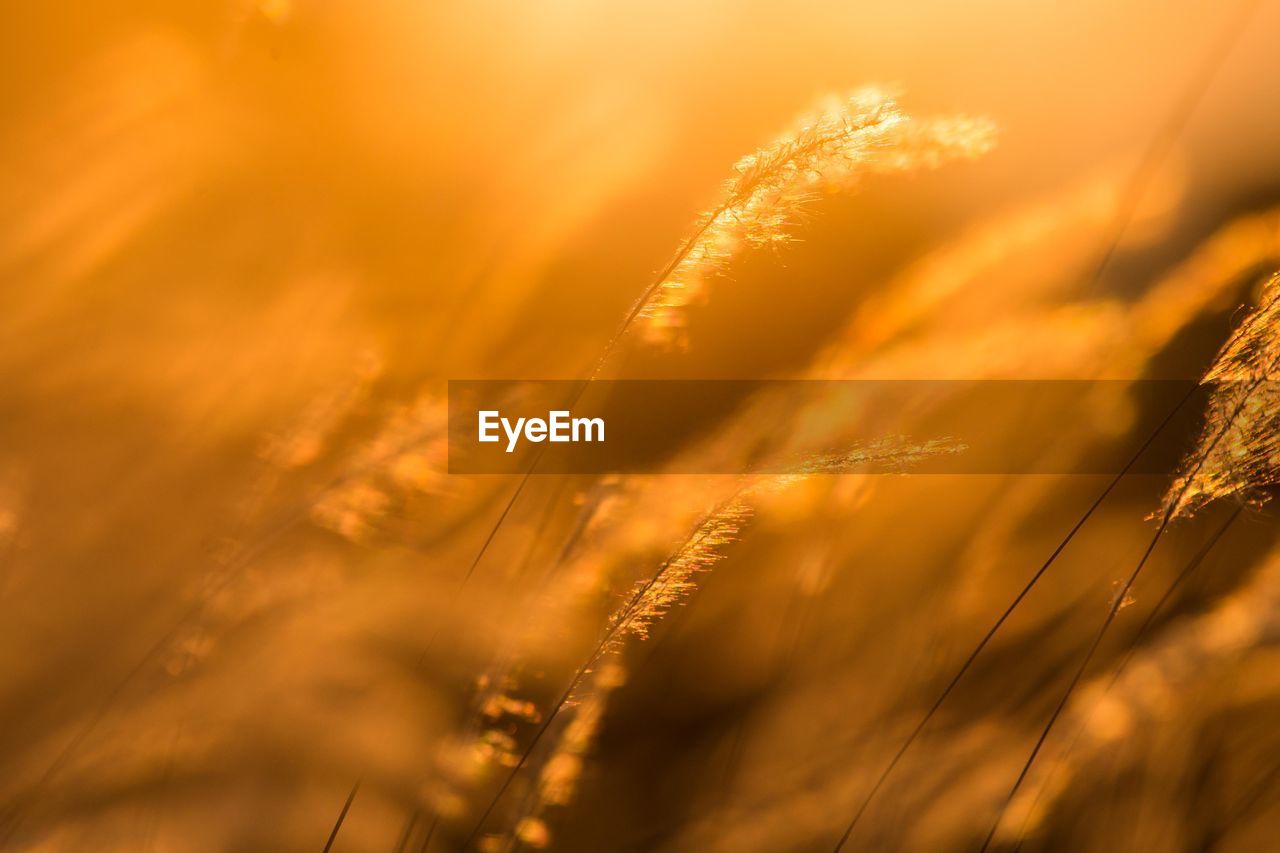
(830,149)
(1239,450)
(654,597)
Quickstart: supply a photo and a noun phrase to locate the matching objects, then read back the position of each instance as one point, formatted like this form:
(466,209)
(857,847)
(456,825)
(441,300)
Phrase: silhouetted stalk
(1141,633)
(1167,516)
(991,632)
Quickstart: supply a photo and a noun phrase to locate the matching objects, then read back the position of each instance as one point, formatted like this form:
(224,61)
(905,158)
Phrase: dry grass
(248,608)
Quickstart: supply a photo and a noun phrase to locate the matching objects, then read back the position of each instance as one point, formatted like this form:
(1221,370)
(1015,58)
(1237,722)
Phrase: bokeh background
(246,244)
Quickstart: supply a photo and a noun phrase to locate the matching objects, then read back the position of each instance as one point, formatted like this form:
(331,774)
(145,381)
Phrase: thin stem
(609,347)
(407,832)
(1119,602)
(342,816)
(1075,679)
(1141,633)
(624,619)
(431,833)
(991,632)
